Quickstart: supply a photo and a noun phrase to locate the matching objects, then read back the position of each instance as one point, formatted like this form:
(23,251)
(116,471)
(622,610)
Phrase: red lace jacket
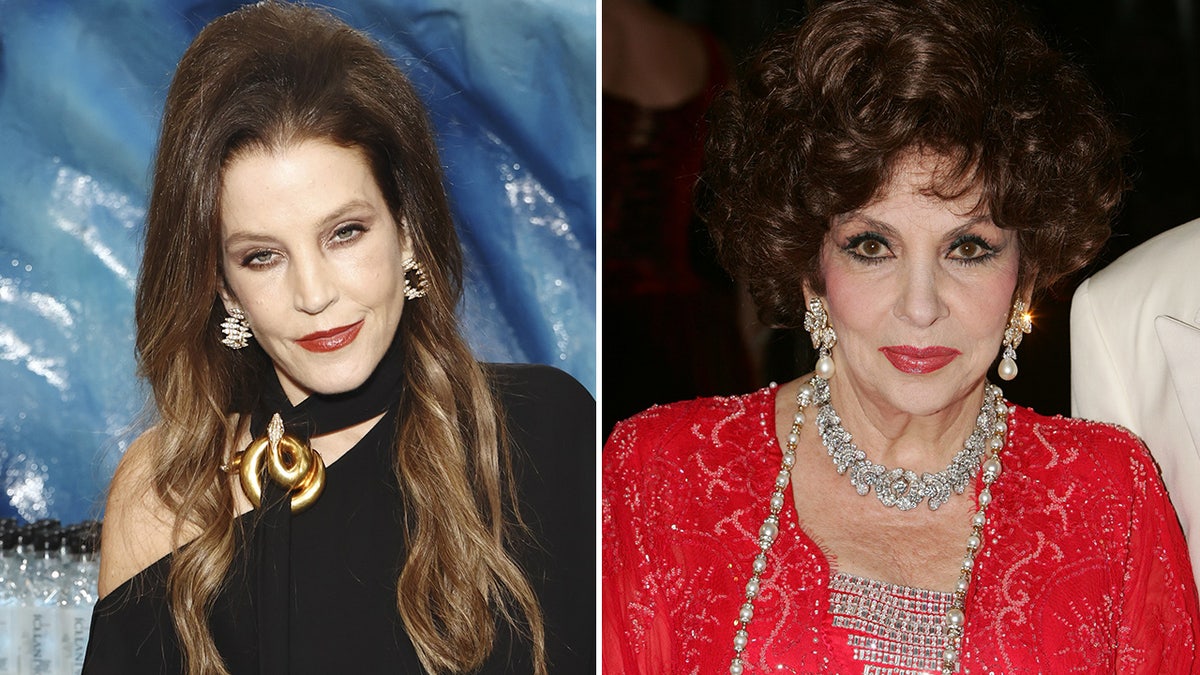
(1084,569)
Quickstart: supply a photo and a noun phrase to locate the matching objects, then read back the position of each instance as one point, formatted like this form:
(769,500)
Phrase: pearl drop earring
(816,322)
(1020,322)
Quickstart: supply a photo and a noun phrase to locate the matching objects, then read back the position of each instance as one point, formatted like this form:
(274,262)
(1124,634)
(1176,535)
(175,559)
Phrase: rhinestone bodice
(892,629)
(1084,569)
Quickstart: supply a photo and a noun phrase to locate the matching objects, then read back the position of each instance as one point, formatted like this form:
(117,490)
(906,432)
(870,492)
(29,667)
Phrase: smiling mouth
(919,360)
(330,340)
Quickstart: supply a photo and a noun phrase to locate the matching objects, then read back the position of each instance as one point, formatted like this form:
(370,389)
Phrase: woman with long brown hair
(334,483)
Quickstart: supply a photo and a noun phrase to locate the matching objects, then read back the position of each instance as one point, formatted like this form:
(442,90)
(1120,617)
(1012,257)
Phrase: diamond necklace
(955,619)
(902,488)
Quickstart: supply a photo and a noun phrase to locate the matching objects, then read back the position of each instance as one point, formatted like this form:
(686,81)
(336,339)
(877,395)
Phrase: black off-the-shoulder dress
(345,554)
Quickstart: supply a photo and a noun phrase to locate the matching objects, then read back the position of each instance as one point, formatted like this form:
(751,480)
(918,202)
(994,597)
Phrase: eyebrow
(887,229)
(332,217)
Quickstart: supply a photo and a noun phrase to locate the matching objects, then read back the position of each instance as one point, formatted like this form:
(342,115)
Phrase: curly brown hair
(823,115)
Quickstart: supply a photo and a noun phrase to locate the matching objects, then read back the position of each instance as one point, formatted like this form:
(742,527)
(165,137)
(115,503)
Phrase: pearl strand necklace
(955,619)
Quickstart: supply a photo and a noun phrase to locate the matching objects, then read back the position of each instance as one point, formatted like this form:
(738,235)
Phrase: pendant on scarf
(289,462)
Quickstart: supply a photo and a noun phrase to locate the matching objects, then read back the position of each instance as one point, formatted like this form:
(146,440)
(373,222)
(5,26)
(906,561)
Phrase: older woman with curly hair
(903,179)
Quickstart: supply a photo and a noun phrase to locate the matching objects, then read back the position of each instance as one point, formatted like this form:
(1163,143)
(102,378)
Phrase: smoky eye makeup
(346,233)
(869,246)
(972,249)
(257,259)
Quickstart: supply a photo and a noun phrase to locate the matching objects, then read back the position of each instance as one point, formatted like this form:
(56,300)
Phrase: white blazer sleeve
(1098,389)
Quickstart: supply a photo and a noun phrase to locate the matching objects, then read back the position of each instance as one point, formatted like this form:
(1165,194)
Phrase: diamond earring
(816,322)
(237,331)
(1020,322)
(416,284)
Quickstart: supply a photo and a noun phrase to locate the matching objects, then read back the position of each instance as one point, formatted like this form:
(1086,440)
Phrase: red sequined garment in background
(669,311)
(1084,568)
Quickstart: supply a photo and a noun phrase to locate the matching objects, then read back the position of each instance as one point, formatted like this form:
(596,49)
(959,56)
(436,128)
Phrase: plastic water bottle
(10,601)
(81,577)
(47,653)
(22,560)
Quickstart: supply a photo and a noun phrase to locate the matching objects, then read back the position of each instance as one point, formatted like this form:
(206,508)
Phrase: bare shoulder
(137,525)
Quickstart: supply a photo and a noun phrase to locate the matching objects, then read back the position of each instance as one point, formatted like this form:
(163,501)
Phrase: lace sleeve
(1160,622)
(635,630)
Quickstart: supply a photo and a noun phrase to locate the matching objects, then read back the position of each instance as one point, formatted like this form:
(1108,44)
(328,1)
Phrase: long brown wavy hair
(267,76)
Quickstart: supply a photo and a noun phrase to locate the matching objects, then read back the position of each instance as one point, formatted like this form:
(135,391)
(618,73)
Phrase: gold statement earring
(236,330)
(816,322)
(1020,322)
(416,284)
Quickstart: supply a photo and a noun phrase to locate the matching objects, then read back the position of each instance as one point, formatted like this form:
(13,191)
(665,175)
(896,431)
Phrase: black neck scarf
(271,541)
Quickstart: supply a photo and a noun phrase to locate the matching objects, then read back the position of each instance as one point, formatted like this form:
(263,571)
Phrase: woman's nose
(920,300)
(314,285)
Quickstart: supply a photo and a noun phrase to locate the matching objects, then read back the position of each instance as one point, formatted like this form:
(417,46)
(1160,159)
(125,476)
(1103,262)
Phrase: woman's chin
(325,382)
(919,394)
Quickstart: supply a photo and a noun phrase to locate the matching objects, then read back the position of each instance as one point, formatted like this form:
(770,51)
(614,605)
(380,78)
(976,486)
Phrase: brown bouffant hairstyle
(823,115)
(264,77)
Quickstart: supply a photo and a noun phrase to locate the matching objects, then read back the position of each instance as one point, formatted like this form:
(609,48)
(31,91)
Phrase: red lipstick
(330,340)
(919,360)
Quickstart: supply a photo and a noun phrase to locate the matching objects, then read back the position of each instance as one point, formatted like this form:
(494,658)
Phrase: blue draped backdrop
(510,86)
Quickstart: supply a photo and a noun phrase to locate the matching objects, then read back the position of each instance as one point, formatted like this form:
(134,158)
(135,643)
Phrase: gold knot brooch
(290,462)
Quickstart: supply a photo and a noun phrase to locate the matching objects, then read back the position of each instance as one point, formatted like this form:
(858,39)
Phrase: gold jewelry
(1020,322)
(816,322)
(416,284)
(236,330)
(290,462)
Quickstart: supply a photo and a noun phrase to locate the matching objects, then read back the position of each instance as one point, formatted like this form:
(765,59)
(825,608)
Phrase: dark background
(1143,56)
